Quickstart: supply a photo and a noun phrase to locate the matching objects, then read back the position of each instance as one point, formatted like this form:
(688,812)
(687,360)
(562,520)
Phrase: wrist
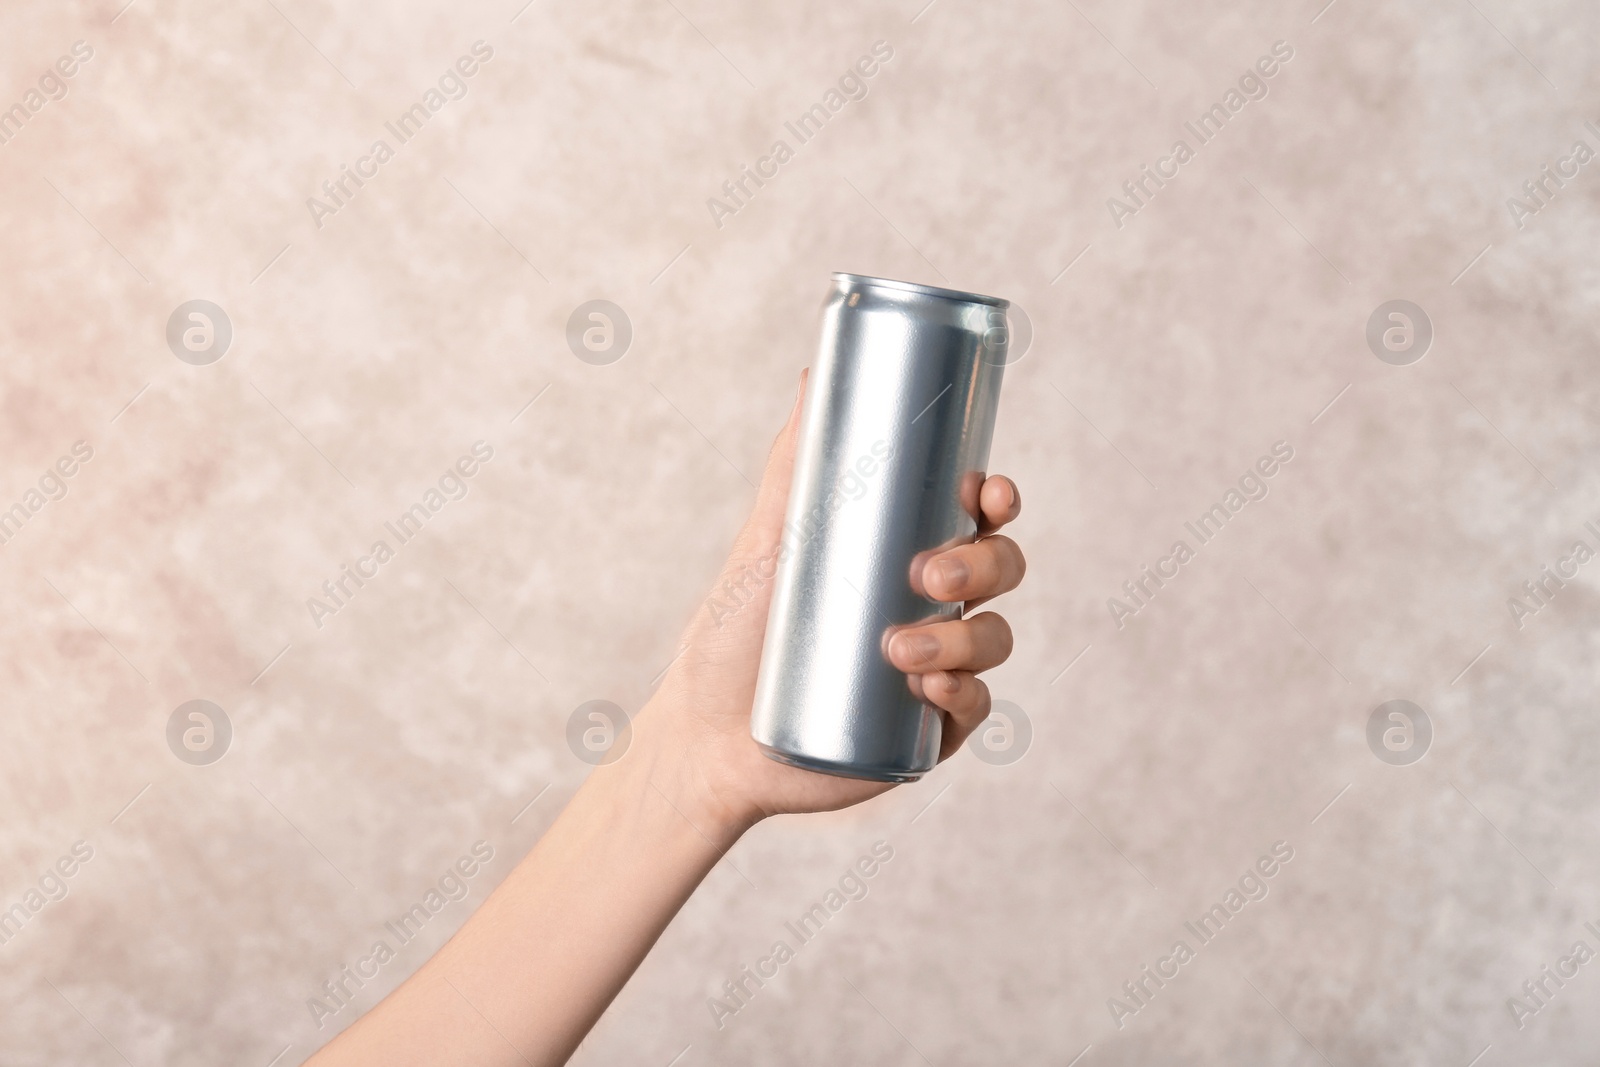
(665,756)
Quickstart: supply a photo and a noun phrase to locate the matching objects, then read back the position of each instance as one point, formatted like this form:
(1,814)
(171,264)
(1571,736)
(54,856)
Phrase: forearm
(530,972)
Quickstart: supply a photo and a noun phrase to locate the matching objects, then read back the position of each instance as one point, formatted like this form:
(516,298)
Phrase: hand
(550,948)
(702,711)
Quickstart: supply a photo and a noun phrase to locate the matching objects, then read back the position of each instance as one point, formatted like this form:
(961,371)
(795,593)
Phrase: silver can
(894,440)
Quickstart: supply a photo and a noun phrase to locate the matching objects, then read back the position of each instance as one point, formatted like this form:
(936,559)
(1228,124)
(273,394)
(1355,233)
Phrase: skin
(528,974)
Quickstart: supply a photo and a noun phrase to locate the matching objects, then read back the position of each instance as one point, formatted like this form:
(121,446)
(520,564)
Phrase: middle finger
(974,644)
(977,571)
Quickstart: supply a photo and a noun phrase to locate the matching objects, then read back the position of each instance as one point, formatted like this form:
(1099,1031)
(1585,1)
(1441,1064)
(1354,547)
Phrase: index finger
(999,502)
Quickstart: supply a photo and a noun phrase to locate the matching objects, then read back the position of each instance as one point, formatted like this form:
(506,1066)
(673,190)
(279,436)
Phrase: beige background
(370,353)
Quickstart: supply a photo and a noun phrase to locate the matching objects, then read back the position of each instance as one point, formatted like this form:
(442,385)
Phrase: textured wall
(1176,340)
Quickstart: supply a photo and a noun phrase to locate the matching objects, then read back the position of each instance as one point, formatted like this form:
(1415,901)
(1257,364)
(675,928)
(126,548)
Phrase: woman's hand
(527,976)
(702,710)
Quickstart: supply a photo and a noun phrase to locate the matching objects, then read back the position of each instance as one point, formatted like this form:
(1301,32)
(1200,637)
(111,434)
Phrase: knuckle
(962,640)
(964,702)
(980,699)
(999,632)
(1013,554)
(986,566)
(1005,559)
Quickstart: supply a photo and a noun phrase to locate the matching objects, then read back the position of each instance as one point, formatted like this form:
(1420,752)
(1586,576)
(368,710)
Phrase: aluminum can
(894,440)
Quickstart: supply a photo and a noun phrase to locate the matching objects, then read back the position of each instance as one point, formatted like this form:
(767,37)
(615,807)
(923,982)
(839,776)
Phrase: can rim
(925,290)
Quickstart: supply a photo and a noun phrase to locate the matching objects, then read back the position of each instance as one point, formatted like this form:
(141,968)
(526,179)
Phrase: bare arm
(530,972)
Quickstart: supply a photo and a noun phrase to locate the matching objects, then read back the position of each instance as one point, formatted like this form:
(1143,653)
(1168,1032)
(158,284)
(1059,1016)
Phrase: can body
(894,440)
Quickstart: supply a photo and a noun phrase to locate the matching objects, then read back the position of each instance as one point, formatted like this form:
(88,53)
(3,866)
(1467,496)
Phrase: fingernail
(952,573)
(916,647)
(951,682)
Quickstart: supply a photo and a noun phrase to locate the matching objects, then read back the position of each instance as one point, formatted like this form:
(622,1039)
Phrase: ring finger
(973,644)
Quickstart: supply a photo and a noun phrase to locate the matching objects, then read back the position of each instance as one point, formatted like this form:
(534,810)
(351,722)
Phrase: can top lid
(925,290)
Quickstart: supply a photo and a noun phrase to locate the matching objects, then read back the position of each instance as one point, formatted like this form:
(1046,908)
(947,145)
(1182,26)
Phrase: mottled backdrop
(180,479)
